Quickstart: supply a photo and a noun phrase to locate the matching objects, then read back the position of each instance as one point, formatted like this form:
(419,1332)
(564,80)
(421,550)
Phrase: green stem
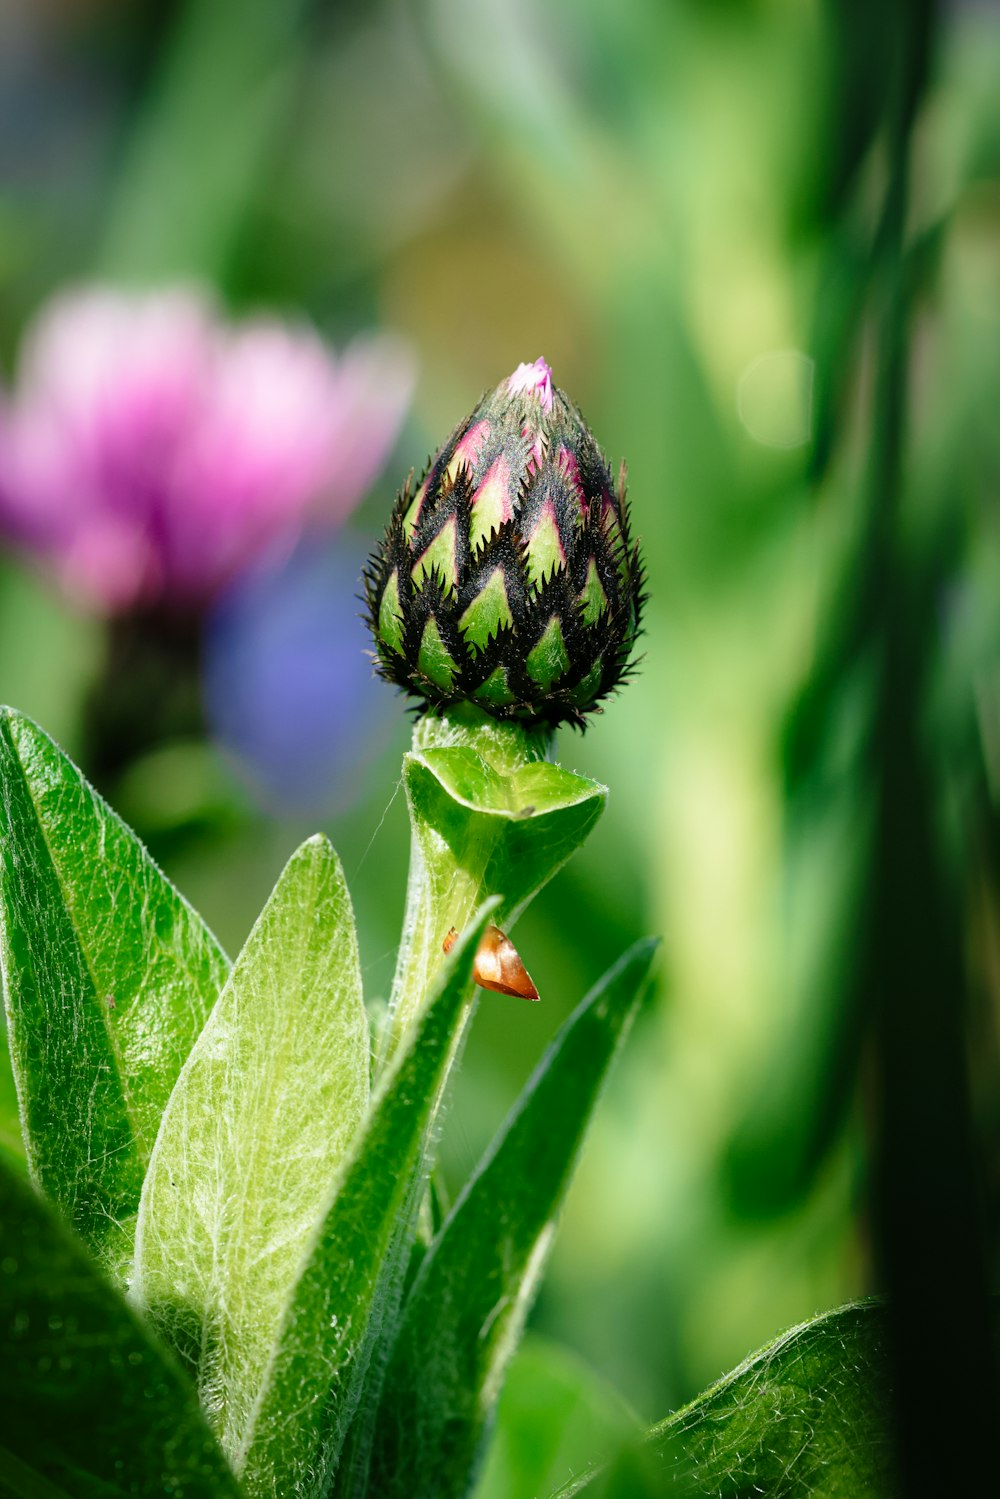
(489,814)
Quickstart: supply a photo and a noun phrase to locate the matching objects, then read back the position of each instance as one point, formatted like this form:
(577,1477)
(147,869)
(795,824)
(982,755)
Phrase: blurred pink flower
(151,451)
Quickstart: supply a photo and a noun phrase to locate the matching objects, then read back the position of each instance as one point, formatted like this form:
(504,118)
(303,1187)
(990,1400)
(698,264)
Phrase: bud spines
(508,576)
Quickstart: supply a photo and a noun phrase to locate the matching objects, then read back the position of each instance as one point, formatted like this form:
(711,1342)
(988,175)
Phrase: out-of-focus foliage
(555,1417)
(684,207)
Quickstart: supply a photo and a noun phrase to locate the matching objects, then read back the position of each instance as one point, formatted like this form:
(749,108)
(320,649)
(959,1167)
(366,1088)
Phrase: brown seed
(497,964)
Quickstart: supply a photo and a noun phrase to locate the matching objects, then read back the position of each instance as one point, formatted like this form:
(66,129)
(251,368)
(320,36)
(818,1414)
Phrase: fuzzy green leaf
(92,1407)
(259,1123)
(808,1417)
(508,833)
(108,977)
(472,1292)
(11,1140)
(349,1288)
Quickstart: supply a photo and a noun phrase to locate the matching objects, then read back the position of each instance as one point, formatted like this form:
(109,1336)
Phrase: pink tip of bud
(536,378)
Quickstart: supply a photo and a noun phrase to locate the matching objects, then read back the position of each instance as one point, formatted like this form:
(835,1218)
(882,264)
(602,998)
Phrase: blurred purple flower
(151,451)
(289,690)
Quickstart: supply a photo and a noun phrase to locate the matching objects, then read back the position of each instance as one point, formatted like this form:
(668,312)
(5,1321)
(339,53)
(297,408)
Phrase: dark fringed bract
(508,576)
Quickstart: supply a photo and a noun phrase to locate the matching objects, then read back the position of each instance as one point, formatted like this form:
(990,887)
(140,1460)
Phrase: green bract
(509,577)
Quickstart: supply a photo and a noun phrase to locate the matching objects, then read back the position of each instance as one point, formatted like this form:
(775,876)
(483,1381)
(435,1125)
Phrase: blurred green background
(691,210)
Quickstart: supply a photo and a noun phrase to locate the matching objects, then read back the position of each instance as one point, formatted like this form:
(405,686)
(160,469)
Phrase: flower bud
(508,576)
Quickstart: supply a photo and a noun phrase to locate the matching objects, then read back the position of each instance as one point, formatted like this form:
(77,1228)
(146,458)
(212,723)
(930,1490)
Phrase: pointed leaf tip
(108,977)
(473,1290)
(262,1117)
(350,1282)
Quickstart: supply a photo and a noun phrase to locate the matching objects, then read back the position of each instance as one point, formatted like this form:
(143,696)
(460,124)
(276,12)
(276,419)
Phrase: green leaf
(487,817)
(555,1416)
(517,829)
(108,977)
(471,1294)
(258,1125)
(92,1406)
(808,1417)
(349,1288)
(11,1143)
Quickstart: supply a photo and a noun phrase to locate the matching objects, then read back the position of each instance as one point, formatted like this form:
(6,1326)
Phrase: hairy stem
(450,857)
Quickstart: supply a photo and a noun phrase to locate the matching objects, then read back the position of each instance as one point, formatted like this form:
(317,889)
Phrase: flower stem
(147,693)
(489,815)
